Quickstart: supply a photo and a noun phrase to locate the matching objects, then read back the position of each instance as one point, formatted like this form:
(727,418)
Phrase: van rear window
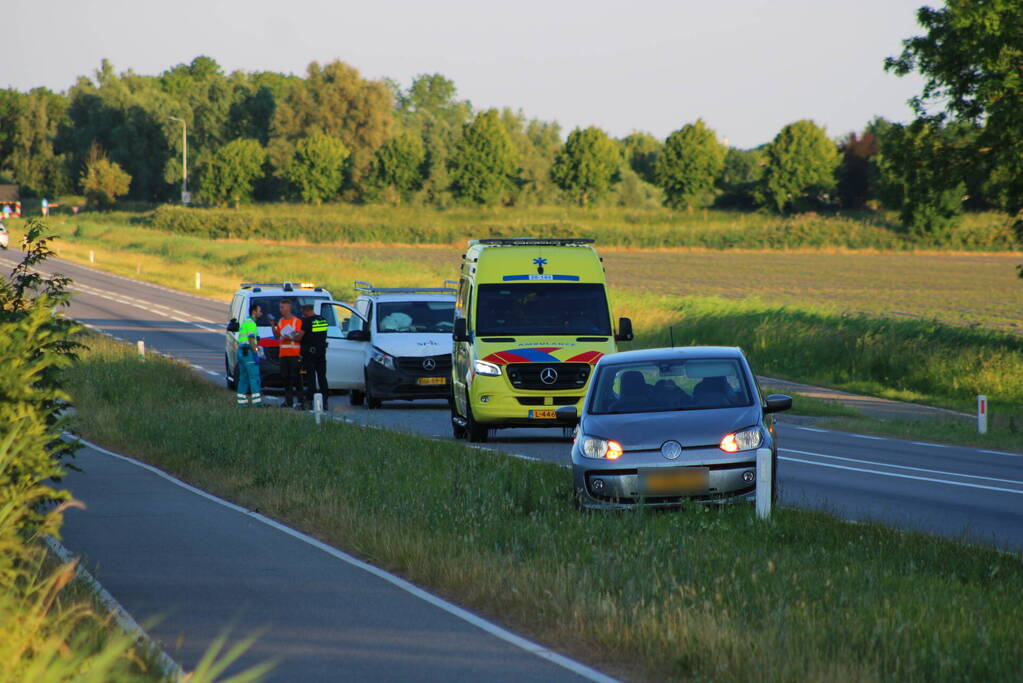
(542,308)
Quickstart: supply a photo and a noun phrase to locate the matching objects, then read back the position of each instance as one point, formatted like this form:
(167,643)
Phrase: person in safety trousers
(314,356)
(289,331)
(248,359)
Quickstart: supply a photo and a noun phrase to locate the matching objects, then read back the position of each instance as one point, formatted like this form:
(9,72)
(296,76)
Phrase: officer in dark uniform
(314,355)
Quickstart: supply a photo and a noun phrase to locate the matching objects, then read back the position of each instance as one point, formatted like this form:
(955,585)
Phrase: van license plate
(674,481)
(432,380)
(543,414)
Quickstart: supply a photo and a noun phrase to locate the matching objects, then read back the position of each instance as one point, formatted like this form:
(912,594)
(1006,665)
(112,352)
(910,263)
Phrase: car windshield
(416,316)
(652,386)
(271,306)
(541,308)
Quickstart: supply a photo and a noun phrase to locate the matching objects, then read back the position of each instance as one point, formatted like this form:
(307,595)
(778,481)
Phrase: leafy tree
(739,178)
(317,169)
(800,165)
(972,59)
(33,161)
(103,181)
(855,168)
(536,143)
(397,166)
(484,162)
(586,165)
(921,172)
(689,165)
(640,151)
(231,173)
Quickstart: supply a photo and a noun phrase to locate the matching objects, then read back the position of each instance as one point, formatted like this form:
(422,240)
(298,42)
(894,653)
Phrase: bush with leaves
(586,165)
(397,168)
(800,167)
(689,166)
(318,167)
(103,181)
(484,163)
(229,176)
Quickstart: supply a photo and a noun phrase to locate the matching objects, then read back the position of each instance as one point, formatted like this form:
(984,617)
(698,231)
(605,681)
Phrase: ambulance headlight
(382,357)
(486,369)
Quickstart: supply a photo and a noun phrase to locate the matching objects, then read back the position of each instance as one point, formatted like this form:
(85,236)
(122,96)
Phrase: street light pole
(185,197)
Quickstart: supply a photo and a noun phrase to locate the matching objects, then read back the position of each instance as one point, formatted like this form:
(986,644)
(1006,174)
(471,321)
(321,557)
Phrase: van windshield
(271,306)
(542,308)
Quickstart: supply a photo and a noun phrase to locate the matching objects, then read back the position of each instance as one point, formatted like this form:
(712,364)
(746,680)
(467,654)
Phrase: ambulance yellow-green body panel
(531,320)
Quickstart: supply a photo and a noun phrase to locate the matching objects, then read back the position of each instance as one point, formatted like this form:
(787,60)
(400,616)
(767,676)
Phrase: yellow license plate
(432,380)
(675,481)
(543,414)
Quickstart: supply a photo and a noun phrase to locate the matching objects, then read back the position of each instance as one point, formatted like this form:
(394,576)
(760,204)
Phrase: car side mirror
(461,331)
(624,330)
(567,415)
(776,403)
(357,335)
(233,325)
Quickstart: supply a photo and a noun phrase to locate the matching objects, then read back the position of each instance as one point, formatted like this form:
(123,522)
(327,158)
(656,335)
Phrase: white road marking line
(452,609)
(867,436)
(903,467)
(1013,455)
(809,429)
(903,476)
(523,457)
(210,372)
(924,443)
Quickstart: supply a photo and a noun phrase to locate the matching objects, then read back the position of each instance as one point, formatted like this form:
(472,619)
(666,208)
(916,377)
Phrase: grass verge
(705,594)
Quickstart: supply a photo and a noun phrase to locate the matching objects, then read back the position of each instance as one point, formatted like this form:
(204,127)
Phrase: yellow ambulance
(532,318)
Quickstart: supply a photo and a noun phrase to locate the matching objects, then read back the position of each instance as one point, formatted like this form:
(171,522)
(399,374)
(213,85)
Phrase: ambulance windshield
(542,308)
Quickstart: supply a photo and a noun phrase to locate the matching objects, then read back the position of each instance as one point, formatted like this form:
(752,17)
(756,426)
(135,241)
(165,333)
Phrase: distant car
(661,426)
(4,237)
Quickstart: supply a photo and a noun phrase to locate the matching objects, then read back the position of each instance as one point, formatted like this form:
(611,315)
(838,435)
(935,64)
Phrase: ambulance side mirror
(624,330)
(233,325)
(461,332)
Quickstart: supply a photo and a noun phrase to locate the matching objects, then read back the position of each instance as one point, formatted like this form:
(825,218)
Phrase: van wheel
(457,430)
(474,432)
(232,382)
(372,402)
(356,397)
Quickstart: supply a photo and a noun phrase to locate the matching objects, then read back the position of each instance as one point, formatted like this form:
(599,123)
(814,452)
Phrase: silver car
(661,426)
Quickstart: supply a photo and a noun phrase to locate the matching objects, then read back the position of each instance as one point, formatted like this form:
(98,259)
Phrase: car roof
(672,353)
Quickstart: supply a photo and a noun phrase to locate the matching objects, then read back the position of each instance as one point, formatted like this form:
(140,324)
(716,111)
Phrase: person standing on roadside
(288,330)
(248,361)
(314,356)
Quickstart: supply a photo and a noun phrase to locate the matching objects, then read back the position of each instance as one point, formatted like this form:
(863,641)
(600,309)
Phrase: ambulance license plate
(543,414)
(432,380)
(676,480)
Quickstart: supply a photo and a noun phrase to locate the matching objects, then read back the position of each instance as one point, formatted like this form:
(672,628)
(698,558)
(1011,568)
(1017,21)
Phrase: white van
(406,333)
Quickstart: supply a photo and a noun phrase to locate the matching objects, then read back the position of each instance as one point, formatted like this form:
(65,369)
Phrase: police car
(344,356)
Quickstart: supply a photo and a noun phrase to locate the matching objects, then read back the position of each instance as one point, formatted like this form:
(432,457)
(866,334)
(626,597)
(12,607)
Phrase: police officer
(248,363)
(314,355)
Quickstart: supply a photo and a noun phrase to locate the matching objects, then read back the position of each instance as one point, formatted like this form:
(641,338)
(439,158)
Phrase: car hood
(691,428)
(406,344)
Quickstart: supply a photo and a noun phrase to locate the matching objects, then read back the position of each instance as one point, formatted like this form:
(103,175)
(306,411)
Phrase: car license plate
(543,414)
(674,481)
(432,380)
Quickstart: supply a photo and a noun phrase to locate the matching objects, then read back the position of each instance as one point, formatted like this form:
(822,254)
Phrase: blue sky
(747,67)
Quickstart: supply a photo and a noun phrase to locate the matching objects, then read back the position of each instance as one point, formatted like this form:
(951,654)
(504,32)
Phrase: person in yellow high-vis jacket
(248,359)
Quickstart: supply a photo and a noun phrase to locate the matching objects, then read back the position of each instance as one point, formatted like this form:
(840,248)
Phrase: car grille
(533,375)
(413,365)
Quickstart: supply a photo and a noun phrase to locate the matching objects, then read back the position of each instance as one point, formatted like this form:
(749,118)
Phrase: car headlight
(486,369)
(597,448)
(746,440)
(382,357)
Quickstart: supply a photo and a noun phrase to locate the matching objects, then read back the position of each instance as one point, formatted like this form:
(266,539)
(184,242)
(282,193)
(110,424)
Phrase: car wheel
(474,432)
(356,397)
(231,382)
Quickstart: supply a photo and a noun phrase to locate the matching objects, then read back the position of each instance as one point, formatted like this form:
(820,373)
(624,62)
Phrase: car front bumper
(385,383)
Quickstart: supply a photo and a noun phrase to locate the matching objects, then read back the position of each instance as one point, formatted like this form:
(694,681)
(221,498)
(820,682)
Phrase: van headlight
(600,449)
(745,440)
(382,357)
(486,369)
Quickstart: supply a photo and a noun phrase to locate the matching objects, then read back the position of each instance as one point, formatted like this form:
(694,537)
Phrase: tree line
(334,135)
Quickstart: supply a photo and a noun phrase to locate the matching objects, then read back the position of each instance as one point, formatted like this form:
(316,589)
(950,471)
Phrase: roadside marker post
(92,256)
(198,282)
(765,476)
(982,414)
(318,407)
(142,349)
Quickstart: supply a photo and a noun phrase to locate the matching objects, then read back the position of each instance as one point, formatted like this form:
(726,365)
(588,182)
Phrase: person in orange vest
(288,330)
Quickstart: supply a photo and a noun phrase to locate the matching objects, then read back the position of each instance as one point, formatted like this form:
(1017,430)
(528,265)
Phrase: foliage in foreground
(707,594)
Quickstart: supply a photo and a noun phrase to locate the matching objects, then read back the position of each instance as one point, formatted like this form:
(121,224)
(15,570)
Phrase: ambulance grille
(548,376)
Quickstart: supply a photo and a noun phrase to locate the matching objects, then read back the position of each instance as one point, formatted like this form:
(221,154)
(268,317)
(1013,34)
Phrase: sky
(747,67)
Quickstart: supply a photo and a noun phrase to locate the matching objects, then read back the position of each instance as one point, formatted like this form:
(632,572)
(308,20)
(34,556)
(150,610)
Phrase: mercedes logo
(429,365)
(671,450)
(548,375)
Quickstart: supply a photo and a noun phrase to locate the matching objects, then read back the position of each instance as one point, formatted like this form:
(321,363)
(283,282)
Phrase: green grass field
(705,594)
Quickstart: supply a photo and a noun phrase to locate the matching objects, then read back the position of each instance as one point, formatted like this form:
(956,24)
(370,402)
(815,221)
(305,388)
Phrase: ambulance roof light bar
(532,241)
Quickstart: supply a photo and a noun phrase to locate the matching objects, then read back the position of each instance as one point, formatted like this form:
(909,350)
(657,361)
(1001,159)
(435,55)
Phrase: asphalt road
(963,493)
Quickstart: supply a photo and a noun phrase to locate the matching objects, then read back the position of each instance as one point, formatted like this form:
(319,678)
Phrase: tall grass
(701,595)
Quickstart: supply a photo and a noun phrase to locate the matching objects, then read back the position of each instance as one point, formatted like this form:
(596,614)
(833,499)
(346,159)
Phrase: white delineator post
(318,406)
(982,414)
(92,256)
(142,349)
(765,476)
(198,282)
